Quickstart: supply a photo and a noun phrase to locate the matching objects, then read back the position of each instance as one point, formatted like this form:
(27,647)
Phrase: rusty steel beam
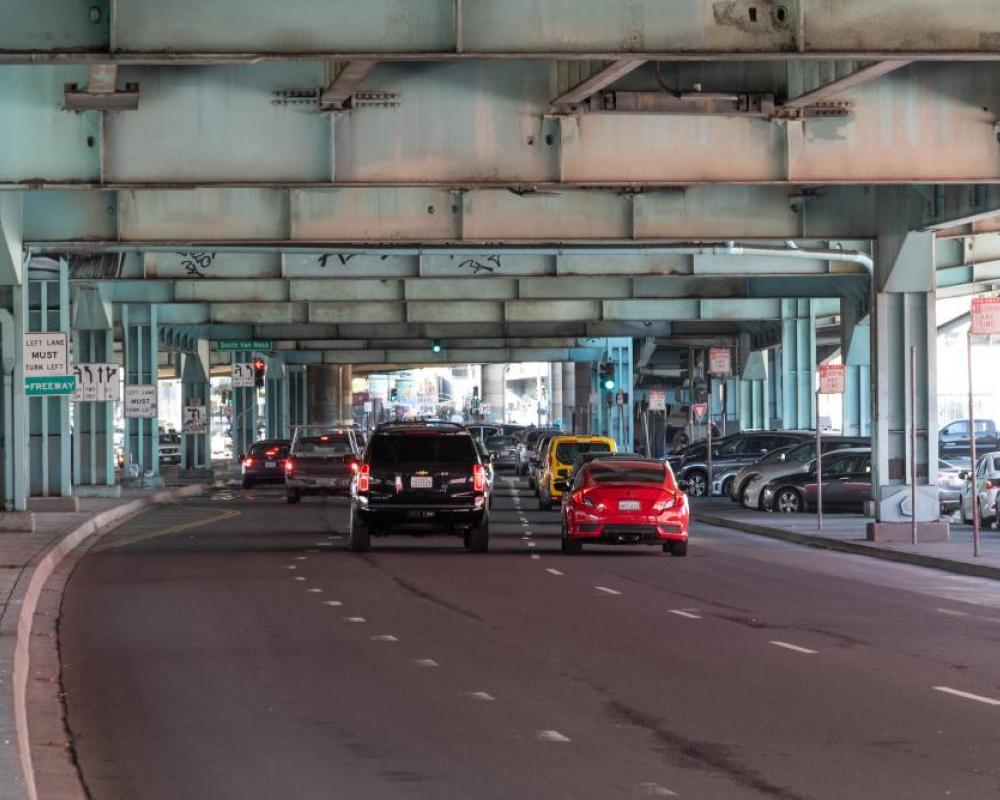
(841,85)
(337,95)
(600,80)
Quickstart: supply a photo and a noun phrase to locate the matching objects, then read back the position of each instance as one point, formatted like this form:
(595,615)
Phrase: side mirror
(963,475)
(684,485)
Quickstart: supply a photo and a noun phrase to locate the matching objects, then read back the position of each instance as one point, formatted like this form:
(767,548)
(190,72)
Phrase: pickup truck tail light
(355,466)
(364,478)
(478,478)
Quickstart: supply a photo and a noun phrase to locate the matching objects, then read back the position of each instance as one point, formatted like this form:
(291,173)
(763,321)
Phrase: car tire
(294,496)
(359,536)
(698,483)
(961,511)
(788,501)
(727,487)
(678,549)
(247,483)
(477,540)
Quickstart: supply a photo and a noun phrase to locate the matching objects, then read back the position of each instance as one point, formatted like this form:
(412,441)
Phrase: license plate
(421,482)
(270,464)
(629,505)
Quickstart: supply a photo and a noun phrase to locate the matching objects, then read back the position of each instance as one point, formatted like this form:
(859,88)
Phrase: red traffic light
(258,363)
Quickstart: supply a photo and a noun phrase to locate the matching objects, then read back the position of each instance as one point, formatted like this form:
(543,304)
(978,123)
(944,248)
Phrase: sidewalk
(26,560)
(846,533)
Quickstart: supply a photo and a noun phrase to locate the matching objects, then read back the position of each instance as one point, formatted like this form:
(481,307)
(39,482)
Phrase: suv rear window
(327,444)
(269,449)
(423,449)
(566,452)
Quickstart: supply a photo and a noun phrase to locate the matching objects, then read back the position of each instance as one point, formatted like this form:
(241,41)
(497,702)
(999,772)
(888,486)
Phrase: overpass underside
(517,181)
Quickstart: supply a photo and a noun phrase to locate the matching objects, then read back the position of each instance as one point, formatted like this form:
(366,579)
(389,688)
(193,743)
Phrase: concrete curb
(18,617)
(855,548)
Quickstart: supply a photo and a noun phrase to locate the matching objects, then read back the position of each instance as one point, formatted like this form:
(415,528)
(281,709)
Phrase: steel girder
(194,31)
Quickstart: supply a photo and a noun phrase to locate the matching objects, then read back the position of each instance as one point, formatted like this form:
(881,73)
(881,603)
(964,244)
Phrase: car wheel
(478,539)
(788,501)
(961,511)
(698,483)
(679,549)
(727,487)
(359,537)
(247,483)
(293,496)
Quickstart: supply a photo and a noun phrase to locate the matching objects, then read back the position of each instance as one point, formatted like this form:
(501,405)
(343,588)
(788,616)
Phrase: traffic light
(258,372)
(436,346)
(393,395)
(607,372)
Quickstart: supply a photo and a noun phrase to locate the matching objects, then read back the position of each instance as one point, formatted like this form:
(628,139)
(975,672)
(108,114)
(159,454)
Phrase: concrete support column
(753,392)
(619,424)
(798,364)
(584,377)
(142,340)
(244,420)
(346,394)
(277,408)
(196,393)
(855,348)
(297,396)
(323,384)
(556,394)
(568,395)
(494,391)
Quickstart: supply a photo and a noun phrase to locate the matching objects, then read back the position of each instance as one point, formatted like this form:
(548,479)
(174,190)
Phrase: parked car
(528,441)
(987,489)
(847,485)
(953,438)
(950,485)
(265,463)
(170,448)
(730,455)
(629,501)
(503,451)
(554,471)
(321,460)
(748,484)
(416,478)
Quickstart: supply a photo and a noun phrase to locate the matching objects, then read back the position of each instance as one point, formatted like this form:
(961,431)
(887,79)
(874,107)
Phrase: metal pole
(708,434)
(913,445)
(819,469)
(974,489)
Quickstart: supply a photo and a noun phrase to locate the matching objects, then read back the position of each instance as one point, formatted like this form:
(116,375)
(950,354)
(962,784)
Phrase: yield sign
(700,410)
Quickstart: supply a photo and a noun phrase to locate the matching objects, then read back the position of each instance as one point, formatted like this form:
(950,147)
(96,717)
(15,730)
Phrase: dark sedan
(265,463)
(503,451)
(847,485)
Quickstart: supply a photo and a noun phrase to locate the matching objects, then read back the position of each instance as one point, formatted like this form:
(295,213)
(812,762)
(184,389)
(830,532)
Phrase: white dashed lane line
(479,696)
(606,590)
(685,614)
(795,648)
(655,790)
(354,619)
(552,736)
(385,637)
(951,613)
(552,571)
(314,590)
(426,662)
(299,577)
(535,557)
(967,695)
(301,558)
(291,566)
(332,603)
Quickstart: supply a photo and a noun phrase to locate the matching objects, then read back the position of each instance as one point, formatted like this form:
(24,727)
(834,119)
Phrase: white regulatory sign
(720,361)
(195,420)
(832,378)
(140,401)
(45,354)
(97,383)
(657,400)
(242,376)
(985,315)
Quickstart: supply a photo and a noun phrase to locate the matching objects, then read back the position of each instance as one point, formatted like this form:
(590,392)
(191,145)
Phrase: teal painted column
(142,351)
(42,305)
(7,445)
(298,410)
(614,420)
(855,348)
(93,427)
(276,399)
(754,391)
(798,364)
(196,397)
(244,411)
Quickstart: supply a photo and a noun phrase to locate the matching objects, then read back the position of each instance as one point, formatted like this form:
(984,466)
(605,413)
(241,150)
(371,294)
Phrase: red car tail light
(355,466)
(289,466)
(248,461)
(580,496)
(364,478)
(478,478)
(664,503)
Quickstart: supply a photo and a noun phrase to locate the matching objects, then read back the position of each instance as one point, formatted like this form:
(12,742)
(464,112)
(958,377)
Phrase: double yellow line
(143,537)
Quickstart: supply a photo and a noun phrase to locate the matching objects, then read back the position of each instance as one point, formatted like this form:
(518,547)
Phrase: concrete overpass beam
(140,324)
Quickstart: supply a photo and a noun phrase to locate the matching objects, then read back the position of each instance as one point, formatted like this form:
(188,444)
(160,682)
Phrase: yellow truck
(557,464)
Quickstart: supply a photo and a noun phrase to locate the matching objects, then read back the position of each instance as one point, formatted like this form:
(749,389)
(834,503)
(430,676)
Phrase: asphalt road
(230,647)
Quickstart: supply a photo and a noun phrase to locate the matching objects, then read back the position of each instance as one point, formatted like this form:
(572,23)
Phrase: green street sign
(46,387)
(244,344)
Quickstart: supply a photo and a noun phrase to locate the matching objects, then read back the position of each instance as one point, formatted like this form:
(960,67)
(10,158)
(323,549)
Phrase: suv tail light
(478,478)
(248,461)
(355,466)
(289,466)
(364,478)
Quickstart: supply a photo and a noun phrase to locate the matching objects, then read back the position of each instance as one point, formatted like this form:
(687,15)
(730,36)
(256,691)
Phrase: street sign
(140,401)
(699,410)
(657,400)
(720,361)
(195,420)
(53,385)
(243,376)
(485,408)
(832,378)
(244,345)
(45,354)
(985,315)
(97,383)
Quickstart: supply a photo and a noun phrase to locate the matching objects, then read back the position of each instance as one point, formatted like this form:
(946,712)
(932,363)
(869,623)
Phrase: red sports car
(626,502)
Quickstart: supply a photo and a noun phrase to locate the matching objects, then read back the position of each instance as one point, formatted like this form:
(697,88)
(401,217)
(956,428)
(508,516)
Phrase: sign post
(720,363)
(832,379)
(985,321)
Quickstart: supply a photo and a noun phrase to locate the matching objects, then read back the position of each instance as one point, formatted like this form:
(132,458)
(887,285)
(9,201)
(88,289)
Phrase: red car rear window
(626,472)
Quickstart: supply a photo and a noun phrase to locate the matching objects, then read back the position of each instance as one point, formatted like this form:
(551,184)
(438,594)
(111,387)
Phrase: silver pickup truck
(321,460)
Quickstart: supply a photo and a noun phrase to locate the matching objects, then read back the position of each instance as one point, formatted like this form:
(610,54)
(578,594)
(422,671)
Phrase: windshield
(802,453)
(567,452)
(500,442)
(775,455)
(325,444)
(625,472)
(423,449)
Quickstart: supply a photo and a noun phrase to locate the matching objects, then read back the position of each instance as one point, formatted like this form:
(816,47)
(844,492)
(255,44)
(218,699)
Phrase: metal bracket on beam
(101,94)
(312,100)
(750,104)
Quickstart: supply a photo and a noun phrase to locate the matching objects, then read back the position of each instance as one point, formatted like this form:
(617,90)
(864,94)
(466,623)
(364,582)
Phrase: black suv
(420,477)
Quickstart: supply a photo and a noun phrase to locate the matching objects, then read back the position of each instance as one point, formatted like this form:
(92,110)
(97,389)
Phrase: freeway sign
(244,345)
(49,386)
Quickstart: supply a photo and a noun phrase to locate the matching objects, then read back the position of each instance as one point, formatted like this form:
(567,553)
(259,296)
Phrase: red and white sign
(985,315)
(832,378)
(657,400)
(720,361)
(699,410)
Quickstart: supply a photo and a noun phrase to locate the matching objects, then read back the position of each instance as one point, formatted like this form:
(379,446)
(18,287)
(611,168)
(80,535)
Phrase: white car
(987,489)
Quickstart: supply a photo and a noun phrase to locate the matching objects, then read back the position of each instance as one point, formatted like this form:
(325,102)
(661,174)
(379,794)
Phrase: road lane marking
(298,577)
(142,537)
(977,697)
(384,637)
(686,614)
(606,590)
(951,613)
(552,571)
(354,619)
(552,736)
(314,590)
(795,648)
(530,544)
(426,662)
(479,696)
(535,557)
(301,558)
(655,790)
(325,544)
(332,603)
(291,566)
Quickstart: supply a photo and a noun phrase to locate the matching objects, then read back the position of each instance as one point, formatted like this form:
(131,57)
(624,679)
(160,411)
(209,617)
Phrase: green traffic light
(609,384)
(436,347)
